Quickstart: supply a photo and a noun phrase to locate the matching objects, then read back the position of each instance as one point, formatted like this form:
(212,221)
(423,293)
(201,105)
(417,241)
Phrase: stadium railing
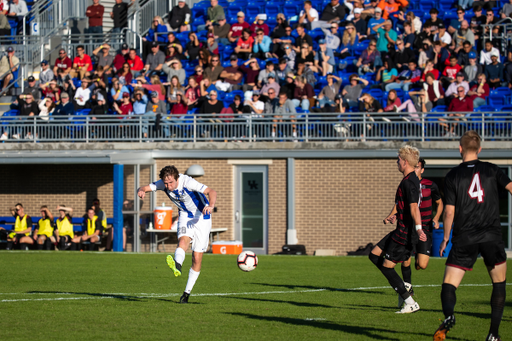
(306,127)
(140,16)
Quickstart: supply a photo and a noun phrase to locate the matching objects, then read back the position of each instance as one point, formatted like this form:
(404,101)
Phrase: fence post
(195,128)
(364,126)
(86,129)
(483,126)
(422,127)
(35,130)
(250,128)
(140,128)
(307,127)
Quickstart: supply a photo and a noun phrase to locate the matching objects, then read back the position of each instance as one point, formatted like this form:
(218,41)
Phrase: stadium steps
(5,103)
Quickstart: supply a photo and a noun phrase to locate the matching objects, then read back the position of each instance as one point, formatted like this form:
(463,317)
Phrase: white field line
(99,296)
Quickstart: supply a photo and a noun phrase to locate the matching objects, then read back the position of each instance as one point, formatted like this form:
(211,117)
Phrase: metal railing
(270,128)
(140,16)
(48,16)
(504,34)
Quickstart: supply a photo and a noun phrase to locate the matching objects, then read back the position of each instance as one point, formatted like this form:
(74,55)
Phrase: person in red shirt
(480,91)
(135,62)
(95,15)
(458,106)
(121,58)
(429,68)
(244,45)
(63,63)
(236,29)
(450,72)
(260,23)
(126,107)
(82,64)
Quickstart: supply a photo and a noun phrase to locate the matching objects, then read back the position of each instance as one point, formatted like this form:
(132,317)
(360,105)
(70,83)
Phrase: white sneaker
(409,308)
(4,137)
(401,301)
(16,136)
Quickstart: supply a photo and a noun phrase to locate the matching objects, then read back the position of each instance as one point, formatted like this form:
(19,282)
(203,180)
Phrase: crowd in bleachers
(248,58)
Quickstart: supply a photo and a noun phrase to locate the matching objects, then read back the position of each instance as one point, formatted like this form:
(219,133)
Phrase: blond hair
(470,142)
(410,154)
(160,22)
(349,38)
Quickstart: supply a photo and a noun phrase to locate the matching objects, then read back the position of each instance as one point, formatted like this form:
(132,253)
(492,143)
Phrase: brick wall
(340,204)
(277,206)
(52,185)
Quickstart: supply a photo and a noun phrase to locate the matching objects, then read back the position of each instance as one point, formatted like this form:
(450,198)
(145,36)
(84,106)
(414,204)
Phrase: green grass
(145,305)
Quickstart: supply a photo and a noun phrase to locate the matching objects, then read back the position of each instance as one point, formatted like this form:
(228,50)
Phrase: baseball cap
(256,92)
(125,47)
(64,95)
(154,94)
(472,55)
(210,35)
(233,57)
(495,53)
(126,94)
(240,14)
(441,25)
(10,49)
(321,41)
(182,0)
(271,75)
(262,16)
(460,74)
(358,10)
(378,9)
(154,44)
(221,17)
(44,62)
(100,97)
(31,79)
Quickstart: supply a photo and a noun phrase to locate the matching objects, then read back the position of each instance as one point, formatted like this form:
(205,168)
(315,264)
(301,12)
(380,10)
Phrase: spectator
(409,36)
(100,108)
(348,40)
(450,72)
(414,21)
(157,108)
(237,106)
(479,17)
(306,55)
(289,55)
(434,20)
(485,54)
(506,11)
(434,90)
(244,45)
(455,24)
(464,53)
(8,64)
(95,15)
(402,55)
(426,35)
(118,90)
(22,229)
(388,7)
(270,99)
(477,33)
(406,78)
(65,107)
(82,64)
(140,101)
(232,74)
(303,93)
(452,90)
(212,105)
(252,69)
(352,92)
(374,21)
(282,71)
(419,102)
(120,15)
(64,234)
(174,51)
(154,35)
(494,71)
(174,88)
(213,72)
(480,91)
(289,86)
(126,107)
(92,226)
(104,58)
(260,24)
(324,59)
(4,7)
(270,85)
(44,230)
(5,27)
(392,102)
(369,59)
(387,74)
(237,28)
(154,61)
(198,75)
(328,93)
(28,107)
(52,91)
(83,95)
(442,36)
(301,38)
(174,68)
(206,86)
(359,24)
(462,35)
(256,107)
(367,103)
(333,12)
(386,35)
(308,15)
(192,93)
(180,17)
(441,56)
(46,75)
(155,86)
(46,108)
(211,44)
(473,69)
(221,31)
(461,103)
(262,43)
(263,74)
(332,38)
(125,74)
(17,10)
(121,57)
(213,13)
(284,108)
(193,47)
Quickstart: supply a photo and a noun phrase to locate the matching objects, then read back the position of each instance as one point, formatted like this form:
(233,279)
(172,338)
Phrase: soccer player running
(472,205)
(194,221)
(397,246)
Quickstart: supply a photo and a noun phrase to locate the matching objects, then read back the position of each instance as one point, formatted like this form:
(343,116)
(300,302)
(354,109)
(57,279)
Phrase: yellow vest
(45,227)
(91,225)
(104,220)
(65,227)
(21,224)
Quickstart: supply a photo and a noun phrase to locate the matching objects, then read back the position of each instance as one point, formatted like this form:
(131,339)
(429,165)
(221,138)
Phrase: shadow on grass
(369,332)
(298,304)
(92,294)
(312,287)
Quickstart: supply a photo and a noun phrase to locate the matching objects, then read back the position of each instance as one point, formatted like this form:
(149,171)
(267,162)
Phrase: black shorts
(464,257)
(393,251)
(425,248)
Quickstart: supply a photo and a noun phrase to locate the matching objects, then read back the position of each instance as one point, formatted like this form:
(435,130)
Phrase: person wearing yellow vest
(64,234)
(44,230)
(92,227)
(22,229)
(102,217)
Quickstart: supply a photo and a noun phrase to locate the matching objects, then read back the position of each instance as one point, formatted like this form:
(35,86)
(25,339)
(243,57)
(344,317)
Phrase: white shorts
(197,229)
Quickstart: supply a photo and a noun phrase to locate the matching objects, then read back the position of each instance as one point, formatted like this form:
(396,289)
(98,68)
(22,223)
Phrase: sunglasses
(490,15)
(271,93)
(460,12)
(215,60)
(260,34)
(199,71)
(62,52)
(460,91)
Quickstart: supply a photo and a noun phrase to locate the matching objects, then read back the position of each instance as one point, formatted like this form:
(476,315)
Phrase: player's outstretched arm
(449,213)
(391,218)
(141,192)
(212,198)
(416,216)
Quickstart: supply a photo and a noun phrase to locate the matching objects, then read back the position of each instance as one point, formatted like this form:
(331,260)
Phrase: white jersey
(188,196)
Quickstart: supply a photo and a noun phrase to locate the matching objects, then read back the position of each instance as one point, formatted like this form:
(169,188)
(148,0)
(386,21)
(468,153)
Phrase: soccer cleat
(491,337)
(176,268)
(409,308)
(184,298)
(444,328)
(408,287)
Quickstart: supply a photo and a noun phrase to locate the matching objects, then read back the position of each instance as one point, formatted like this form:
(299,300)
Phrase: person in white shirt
(308,14)
(443,36)
(82,94)
(255,104)
(194,220)
(485,54)
(46,75)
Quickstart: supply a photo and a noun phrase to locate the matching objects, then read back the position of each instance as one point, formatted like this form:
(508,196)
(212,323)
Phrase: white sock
(192,278)
(179,256)
(410,300)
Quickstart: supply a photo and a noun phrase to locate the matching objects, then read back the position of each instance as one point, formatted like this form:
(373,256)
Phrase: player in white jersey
(194,220)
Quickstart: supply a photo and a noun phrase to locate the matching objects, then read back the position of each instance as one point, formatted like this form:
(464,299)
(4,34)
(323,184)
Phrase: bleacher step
(5,103)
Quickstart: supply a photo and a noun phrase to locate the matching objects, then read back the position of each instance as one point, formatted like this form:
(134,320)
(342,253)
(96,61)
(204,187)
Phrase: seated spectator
(281,71)
(125,74)
(154,61)
(377,19)
(348,40)
(237,105)
(52,91)
(64,64)
(506,11)
(121,57)
(434,90)
(455,24)
(459,105)
(442,36)
(92,227)
(332,38)
(192,93)
(386,75)
(232,76)
(467,49)
(386,35)
(180,107)
(171,39)
(198,74)
(269,97)
(352,92)
(425,37)
(324,59)
(244,45)
(33,89)
(212,105)
(221,31)
(284,108)
(328,93)
(487,52)
(140,101)
(27,106)
(104,58)
(251,68)
(434,20)
(409,36)
(125,108)
(402,55)
(414,21)
(441,56)
(367,103)
(289,55)
(173,51)
(193,46)
(82,64)
(480,91)
(17,10)
(359,24)
(211,44)
(492,20)
(155,107)
(46,108)
(450,72)
(369,59)
(388,7)
(263,74)
(213,13)
(255,106)
(333,12)
(100,107)
(172,91)
(462,35)
(303,93)
(236,29)
(494,72)
(213,72)
(44,230)
(419,102)
(270,85)
(65,107)
(118,90)
(8,64)
(406,78)
(64,234)
(392,102)
(260,24)
(302,37)
(306,55)
(452,90)
(261,46)
(308,15)
(204,57)
(46,75)
(473,69)
(180,17)
(174,68)
(205,87)
(479,18)
(22,229)
(289,86)
(155,86)
(83,95)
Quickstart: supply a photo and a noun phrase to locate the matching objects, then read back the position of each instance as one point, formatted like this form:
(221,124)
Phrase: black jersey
(429,194)
(408,192)
(472,187)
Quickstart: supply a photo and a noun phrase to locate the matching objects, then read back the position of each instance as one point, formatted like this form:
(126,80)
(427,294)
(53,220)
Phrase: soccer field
(106,296)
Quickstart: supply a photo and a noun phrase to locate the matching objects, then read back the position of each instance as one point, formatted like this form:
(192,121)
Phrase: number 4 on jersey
(475,190)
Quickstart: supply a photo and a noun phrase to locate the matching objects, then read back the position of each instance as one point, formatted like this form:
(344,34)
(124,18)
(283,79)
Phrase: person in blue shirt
(140,101)
(261,47)
(455,23)
(65,107)
(324,58)
(386,35)
(376,20)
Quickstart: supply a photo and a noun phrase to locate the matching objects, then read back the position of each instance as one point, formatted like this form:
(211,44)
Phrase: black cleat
(491,337)
(184,298)
(444,328)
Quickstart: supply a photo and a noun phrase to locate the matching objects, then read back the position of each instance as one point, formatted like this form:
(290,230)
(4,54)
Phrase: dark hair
(300,25)
(169,171)
(246,30)
(434,11)
(477,8)
(80,47)
(453,56)
(308,3)
(20,205)
(282,61)
(437,43)
(422,162)
(238,97)
(466,42)
(459,8)
(96,199)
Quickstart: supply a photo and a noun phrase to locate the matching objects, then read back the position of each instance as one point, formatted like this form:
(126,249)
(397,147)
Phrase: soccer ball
(247,261)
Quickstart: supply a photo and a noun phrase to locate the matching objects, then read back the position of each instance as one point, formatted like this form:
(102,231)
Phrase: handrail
(141,16)
(259,128)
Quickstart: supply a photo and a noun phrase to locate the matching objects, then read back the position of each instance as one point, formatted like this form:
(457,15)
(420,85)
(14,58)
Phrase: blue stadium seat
(497,100)
(272,10)
(378,94)
(486,108)
(290,10)
(439,108)
(445,5)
